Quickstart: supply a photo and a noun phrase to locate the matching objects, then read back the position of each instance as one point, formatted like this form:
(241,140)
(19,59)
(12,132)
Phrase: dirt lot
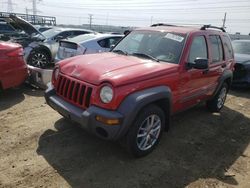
(38,148)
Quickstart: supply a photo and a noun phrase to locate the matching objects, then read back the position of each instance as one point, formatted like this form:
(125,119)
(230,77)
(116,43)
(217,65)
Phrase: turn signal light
(107,121)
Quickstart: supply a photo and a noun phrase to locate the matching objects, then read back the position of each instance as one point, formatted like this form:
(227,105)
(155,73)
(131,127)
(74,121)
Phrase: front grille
(74,91)
(239,72)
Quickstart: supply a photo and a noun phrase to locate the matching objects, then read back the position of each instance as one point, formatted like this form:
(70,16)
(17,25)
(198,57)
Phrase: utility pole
(151,21)
(90,20)
(224,20)
(34,3)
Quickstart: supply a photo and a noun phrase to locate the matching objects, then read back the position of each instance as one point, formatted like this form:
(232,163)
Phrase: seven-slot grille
(74,91)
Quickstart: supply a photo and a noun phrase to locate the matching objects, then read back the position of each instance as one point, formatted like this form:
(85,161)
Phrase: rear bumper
(86,118)
(39,77)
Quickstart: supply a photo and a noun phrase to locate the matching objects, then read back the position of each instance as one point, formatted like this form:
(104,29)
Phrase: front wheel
(38,58)
(145,133)
(217,102)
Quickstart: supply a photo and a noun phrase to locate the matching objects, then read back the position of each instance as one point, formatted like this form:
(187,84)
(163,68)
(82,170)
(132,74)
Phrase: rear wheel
(145,133)
(217,103)
(39,58)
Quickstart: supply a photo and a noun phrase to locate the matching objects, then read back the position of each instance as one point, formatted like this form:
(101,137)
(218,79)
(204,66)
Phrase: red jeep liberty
(130,93)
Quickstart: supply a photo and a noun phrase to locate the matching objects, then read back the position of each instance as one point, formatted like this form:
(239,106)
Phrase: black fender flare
(133,104)
(227,75)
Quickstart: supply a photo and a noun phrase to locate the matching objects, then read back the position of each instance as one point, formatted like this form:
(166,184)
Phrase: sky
(139,13)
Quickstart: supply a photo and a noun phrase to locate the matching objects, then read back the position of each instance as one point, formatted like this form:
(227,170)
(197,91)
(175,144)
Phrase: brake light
(16,52)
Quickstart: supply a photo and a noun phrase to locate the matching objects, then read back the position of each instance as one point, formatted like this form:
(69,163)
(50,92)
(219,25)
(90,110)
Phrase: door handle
(205,71)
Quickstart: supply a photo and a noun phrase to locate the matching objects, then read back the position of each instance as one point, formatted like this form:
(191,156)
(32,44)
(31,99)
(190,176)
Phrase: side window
(76,33)
(228,47)
(113,40)
(198,49)
(104,43)
(65,34)
(216,46)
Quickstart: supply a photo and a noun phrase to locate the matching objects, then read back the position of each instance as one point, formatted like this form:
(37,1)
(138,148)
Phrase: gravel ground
(38,148)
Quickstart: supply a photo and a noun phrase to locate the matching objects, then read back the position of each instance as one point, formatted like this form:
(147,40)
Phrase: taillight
(15,53)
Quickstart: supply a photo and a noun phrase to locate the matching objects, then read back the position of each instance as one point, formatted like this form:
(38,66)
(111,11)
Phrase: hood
(114,68)
(242,58)
(21,24)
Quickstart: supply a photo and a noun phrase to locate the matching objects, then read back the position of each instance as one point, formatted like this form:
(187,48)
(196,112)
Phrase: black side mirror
(198,63)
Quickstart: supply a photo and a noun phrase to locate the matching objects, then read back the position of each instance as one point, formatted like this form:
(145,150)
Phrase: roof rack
(162,24)
(204,27)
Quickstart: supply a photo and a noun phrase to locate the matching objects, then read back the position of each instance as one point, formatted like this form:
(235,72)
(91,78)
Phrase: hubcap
(39,60)
(222,97)
(148,132)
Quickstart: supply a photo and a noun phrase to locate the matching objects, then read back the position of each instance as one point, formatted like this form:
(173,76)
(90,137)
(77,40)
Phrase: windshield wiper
(120,52)
(146,56)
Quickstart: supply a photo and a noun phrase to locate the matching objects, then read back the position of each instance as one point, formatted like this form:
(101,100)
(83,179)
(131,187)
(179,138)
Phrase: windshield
(162,46)
(51,32)
(241,47)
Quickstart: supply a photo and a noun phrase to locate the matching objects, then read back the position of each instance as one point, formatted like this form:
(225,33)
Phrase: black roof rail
(162,24)
(204,27)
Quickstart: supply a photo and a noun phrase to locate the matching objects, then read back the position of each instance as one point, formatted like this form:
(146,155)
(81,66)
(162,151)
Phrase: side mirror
(198,63)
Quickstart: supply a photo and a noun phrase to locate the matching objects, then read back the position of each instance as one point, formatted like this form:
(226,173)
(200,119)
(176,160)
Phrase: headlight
(106,94)
(56,73)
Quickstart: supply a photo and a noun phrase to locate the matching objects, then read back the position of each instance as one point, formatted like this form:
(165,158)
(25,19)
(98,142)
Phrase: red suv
(130,93)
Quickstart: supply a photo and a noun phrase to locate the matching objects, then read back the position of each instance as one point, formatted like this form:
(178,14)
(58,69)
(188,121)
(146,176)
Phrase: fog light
(107,121)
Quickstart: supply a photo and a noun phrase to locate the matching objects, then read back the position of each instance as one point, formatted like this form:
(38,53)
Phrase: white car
(86,44)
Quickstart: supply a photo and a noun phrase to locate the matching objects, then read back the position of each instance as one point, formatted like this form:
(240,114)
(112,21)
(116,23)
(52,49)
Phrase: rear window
(82,38)
(217,51)
(241,47)
(228,47)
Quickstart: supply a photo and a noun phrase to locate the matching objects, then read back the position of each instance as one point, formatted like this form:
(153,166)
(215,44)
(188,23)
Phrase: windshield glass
(51,32)
(162,46)
(241,47)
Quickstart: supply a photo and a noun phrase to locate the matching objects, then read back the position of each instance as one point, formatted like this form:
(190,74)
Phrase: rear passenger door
(217,62)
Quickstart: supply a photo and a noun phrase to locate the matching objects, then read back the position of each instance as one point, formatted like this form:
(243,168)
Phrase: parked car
(13,69)
(153,73)
(41,48)
(242,66)
(86,44)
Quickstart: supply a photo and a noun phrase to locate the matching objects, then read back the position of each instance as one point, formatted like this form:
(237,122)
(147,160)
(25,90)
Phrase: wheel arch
(43,48)
(135,102)
(227,77)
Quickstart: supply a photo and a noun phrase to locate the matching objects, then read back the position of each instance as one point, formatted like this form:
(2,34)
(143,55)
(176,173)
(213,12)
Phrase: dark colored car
(130,93)
(13,69)
(242,66)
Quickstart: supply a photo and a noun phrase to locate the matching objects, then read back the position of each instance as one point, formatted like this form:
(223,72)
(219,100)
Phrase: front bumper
(86,118)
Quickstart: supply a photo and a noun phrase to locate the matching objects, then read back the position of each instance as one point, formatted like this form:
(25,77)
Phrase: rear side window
(228,47)
(198,49)
(216,46)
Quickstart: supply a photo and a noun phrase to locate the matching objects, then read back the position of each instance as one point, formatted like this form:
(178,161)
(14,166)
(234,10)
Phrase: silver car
(40,48)
(86,44)
(40,54)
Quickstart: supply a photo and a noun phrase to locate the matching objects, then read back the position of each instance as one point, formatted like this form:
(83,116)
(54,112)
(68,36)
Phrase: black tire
(39,58)
(217,102)
(132,141)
